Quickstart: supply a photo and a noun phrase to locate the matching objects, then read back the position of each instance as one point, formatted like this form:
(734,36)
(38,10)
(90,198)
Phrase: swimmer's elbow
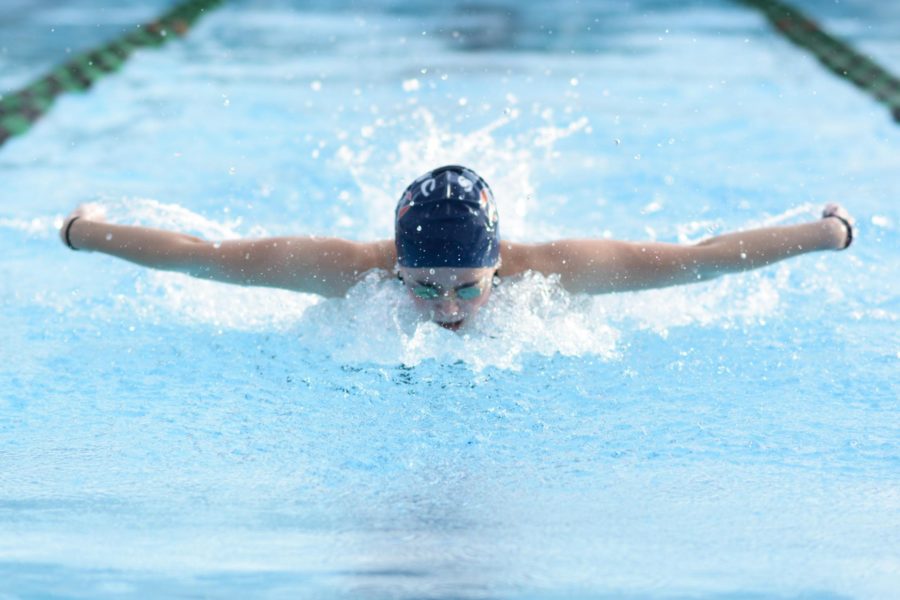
(664,265)
(208,260)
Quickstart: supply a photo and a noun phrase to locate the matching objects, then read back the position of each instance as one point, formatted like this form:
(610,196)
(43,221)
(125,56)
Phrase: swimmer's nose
(447,306)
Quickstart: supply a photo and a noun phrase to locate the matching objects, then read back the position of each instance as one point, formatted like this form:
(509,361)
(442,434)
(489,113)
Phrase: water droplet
(744,255)
(573,81)
(232,170)
(217,245)
(108,236)
(418,228)
(637,157)
(617,141)
(431,271)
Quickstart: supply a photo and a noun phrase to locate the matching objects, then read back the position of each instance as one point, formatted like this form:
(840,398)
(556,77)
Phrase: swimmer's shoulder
(378,255)
(515,258)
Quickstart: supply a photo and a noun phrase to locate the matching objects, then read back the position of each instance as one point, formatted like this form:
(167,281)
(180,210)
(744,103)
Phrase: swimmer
(448,253)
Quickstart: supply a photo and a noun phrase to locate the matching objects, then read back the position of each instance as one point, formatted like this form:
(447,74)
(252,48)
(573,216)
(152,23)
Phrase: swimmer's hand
(87,212)
(840,214)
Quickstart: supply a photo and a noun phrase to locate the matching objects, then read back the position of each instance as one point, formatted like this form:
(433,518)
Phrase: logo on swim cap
(489,206)
(456,229)
(427,187)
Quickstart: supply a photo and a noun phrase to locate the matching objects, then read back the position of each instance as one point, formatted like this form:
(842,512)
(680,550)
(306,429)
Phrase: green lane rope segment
(20,109)
(836,55)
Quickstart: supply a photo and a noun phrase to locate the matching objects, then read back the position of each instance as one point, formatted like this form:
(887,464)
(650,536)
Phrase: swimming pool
(161,436)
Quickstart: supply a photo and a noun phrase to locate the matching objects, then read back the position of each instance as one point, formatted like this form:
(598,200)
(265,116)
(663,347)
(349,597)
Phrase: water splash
(152,213)
(39,227)
(506,161)
(530,315)
(377,323)
(166,295)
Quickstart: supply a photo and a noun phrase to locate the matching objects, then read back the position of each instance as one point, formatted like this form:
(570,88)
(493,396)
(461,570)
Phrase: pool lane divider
(837,56)
(21,109)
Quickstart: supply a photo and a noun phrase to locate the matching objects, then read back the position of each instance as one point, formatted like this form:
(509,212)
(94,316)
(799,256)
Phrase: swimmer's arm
(315,265)
(325,266)
(601,266)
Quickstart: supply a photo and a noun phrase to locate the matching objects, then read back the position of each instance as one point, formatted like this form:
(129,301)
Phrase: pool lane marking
(837,56)
(22,108)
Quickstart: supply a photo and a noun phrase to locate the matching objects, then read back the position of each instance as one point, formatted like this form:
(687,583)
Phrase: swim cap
(447,218)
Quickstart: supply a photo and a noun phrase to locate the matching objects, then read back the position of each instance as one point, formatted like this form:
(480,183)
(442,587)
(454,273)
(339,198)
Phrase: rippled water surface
(167,437)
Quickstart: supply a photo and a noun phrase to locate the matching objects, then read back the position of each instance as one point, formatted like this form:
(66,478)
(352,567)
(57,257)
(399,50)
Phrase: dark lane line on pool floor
(21,109)
(837,56)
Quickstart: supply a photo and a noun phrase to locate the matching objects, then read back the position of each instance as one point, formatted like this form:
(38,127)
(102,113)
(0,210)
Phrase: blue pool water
(167,437)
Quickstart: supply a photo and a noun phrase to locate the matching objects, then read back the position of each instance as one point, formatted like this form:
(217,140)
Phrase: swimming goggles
(467,291)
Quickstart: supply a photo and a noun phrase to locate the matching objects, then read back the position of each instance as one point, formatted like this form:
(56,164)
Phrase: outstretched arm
(600,266)
(325,266)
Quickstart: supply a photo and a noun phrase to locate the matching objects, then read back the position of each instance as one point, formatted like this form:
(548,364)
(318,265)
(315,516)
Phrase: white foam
(530,315)
(40,227)
(133,211)
(219,305)
(377,322)
(151,213)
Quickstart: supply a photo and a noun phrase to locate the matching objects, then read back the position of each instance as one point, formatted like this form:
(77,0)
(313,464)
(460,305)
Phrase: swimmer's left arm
(317,265)
(601,266)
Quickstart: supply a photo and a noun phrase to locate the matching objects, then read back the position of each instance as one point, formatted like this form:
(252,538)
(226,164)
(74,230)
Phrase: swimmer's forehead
(444,275)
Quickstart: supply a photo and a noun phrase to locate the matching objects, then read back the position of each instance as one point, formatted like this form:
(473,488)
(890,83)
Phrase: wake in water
(377,322)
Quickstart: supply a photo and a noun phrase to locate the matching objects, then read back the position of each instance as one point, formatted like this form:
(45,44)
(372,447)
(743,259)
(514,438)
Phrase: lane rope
(837,56)
(19,110)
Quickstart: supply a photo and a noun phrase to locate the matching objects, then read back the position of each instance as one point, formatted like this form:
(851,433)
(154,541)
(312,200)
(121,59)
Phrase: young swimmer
(447,251)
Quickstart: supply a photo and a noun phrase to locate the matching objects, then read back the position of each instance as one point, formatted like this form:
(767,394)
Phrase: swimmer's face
(448,295)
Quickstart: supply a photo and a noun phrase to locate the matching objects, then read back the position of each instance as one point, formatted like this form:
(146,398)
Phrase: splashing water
(164,436)
(505,161)
(376,322)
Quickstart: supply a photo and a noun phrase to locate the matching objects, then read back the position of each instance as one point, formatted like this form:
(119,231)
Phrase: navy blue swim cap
(447,218)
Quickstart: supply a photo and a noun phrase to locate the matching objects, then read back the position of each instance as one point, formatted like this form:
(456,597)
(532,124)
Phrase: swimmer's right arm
(324,266)
(600,266)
